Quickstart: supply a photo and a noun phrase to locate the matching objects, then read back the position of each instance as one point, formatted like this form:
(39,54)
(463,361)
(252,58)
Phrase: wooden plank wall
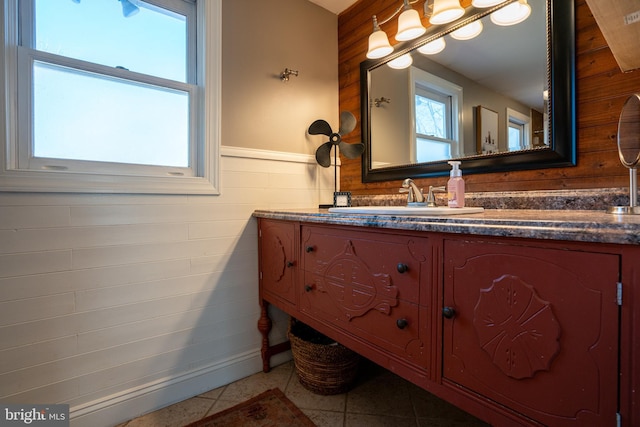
(601,91)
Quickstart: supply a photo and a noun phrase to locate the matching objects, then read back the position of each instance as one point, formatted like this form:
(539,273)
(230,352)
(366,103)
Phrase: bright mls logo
(34,415)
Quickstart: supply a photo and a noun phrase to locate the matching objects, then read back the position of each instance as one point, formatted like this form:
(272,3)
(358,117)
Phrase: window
(437,116)
(111,96)
(518,127)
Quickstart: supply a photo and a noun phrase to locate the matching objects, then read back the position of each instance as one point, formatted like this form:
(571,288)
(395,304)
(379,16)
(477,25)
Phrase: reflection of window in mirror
(518,130)
(436,109)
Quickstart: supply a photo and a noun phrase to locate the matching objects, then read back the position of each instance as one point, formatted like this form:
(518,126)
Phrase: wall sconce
(409,27)
(469,31)
(445,11)
(284,76)
(511,14)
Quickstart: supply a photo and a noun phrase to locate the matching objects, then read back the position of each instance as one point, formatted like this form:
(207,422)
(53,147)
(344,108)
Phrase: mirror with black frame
(502,101)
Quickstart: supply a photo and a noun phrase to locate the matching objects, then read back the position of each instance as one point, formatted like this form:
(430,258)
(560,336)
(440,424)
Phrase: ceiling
(335,6)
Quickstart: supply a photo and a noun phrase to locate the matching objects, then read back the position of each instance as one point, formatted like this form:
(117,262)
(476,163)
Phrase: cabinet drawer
(389,323)
(371,263)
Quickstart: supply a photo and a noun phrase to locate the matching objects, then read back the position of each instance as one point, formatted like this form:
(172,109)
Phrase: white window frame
(440,85)
(522,121)
(55,178)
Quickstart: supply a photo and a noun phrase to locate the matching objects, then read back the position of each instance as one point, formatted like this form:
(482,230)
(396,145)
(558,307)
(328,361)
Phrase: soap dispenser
(455,186)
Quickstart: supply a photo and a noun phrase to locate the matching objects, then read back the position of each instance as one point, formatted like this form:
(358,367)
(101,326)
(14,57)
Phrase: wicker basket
(323,365)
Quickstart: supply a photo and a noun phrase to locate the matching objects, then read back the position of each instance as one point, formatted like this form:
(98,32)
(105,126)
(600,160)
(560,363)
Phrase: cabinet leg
(264,326)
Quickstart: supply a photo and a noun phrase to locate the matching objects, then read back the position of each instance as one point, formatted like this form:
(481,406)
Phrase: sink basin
(405,210)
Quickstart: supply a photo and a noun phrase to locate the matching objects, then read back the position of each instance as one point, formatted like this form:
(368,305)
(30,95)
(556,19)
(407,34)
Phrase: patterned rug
(269,409)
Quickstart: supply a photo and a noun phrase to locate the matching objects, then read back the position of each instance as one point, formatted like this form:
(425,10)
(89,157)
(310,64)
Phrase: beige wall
(258,109)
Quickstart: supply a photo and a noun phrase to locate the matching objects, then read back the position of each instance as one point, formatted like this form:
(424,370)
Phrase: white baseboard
(123,406)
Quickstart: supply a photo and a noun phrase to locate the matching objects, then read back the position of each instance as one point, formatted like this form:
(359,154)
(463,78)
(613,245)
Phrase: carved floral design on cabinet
(353,287)
(276,268)
(516,328)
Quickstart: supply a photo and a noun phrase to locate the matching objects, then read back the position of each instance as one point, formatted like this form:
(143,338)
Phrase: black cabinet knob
(309,249)
(402,323)
(402,268)
(449,312)
(308,288)
(290,264)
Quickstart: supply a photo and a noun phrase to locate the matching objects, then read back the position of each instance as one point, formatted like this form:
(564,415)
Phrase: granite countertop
(569,225)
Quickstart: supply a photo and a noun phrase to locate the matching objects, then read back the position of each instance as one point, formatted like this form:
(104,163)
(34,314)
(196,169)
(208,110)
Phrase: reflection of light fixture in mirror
(401,62)
(512,14)
(445,11)
(469,31)
(485,3)
(409,24)
(378,42)
(433,47)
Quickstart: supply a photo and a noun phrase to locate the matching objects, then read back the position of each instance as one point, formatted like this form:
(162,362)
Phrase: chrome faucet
(431,198)
(414,196)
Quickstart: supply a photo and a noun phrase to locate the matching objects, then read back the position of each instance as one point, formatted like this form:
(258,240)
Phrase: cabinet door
(278,260)
(535,329)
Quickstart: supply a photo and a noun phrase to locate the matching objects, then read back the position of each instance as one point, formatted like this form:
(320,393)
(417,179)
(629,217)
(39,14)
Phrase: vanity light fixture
(485,3)
(433,47)
(378,42)
(445,11)
(401,62)
(469,31)
(409,24)
(409,27)
(511,14)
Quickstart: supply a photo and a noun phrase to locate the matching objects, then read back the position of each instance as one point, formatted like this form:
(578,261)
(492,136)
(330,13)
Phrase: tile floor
(379,399)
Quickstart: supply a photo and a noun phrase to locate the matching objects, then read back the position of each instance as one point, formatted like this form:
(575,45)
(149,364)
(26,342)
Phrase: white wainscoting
(122,304)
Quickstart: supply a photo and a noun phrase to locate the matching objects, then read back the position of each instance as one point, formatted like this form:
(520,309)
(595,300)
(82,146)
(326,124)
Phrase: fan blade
(320,127)
(351,151)
(323,154)
(347,122)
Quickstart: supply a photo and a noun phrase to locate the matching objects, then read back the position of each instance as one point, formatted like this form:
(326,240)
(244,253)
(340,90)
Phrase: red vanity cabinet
(516,331)
(534,329)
